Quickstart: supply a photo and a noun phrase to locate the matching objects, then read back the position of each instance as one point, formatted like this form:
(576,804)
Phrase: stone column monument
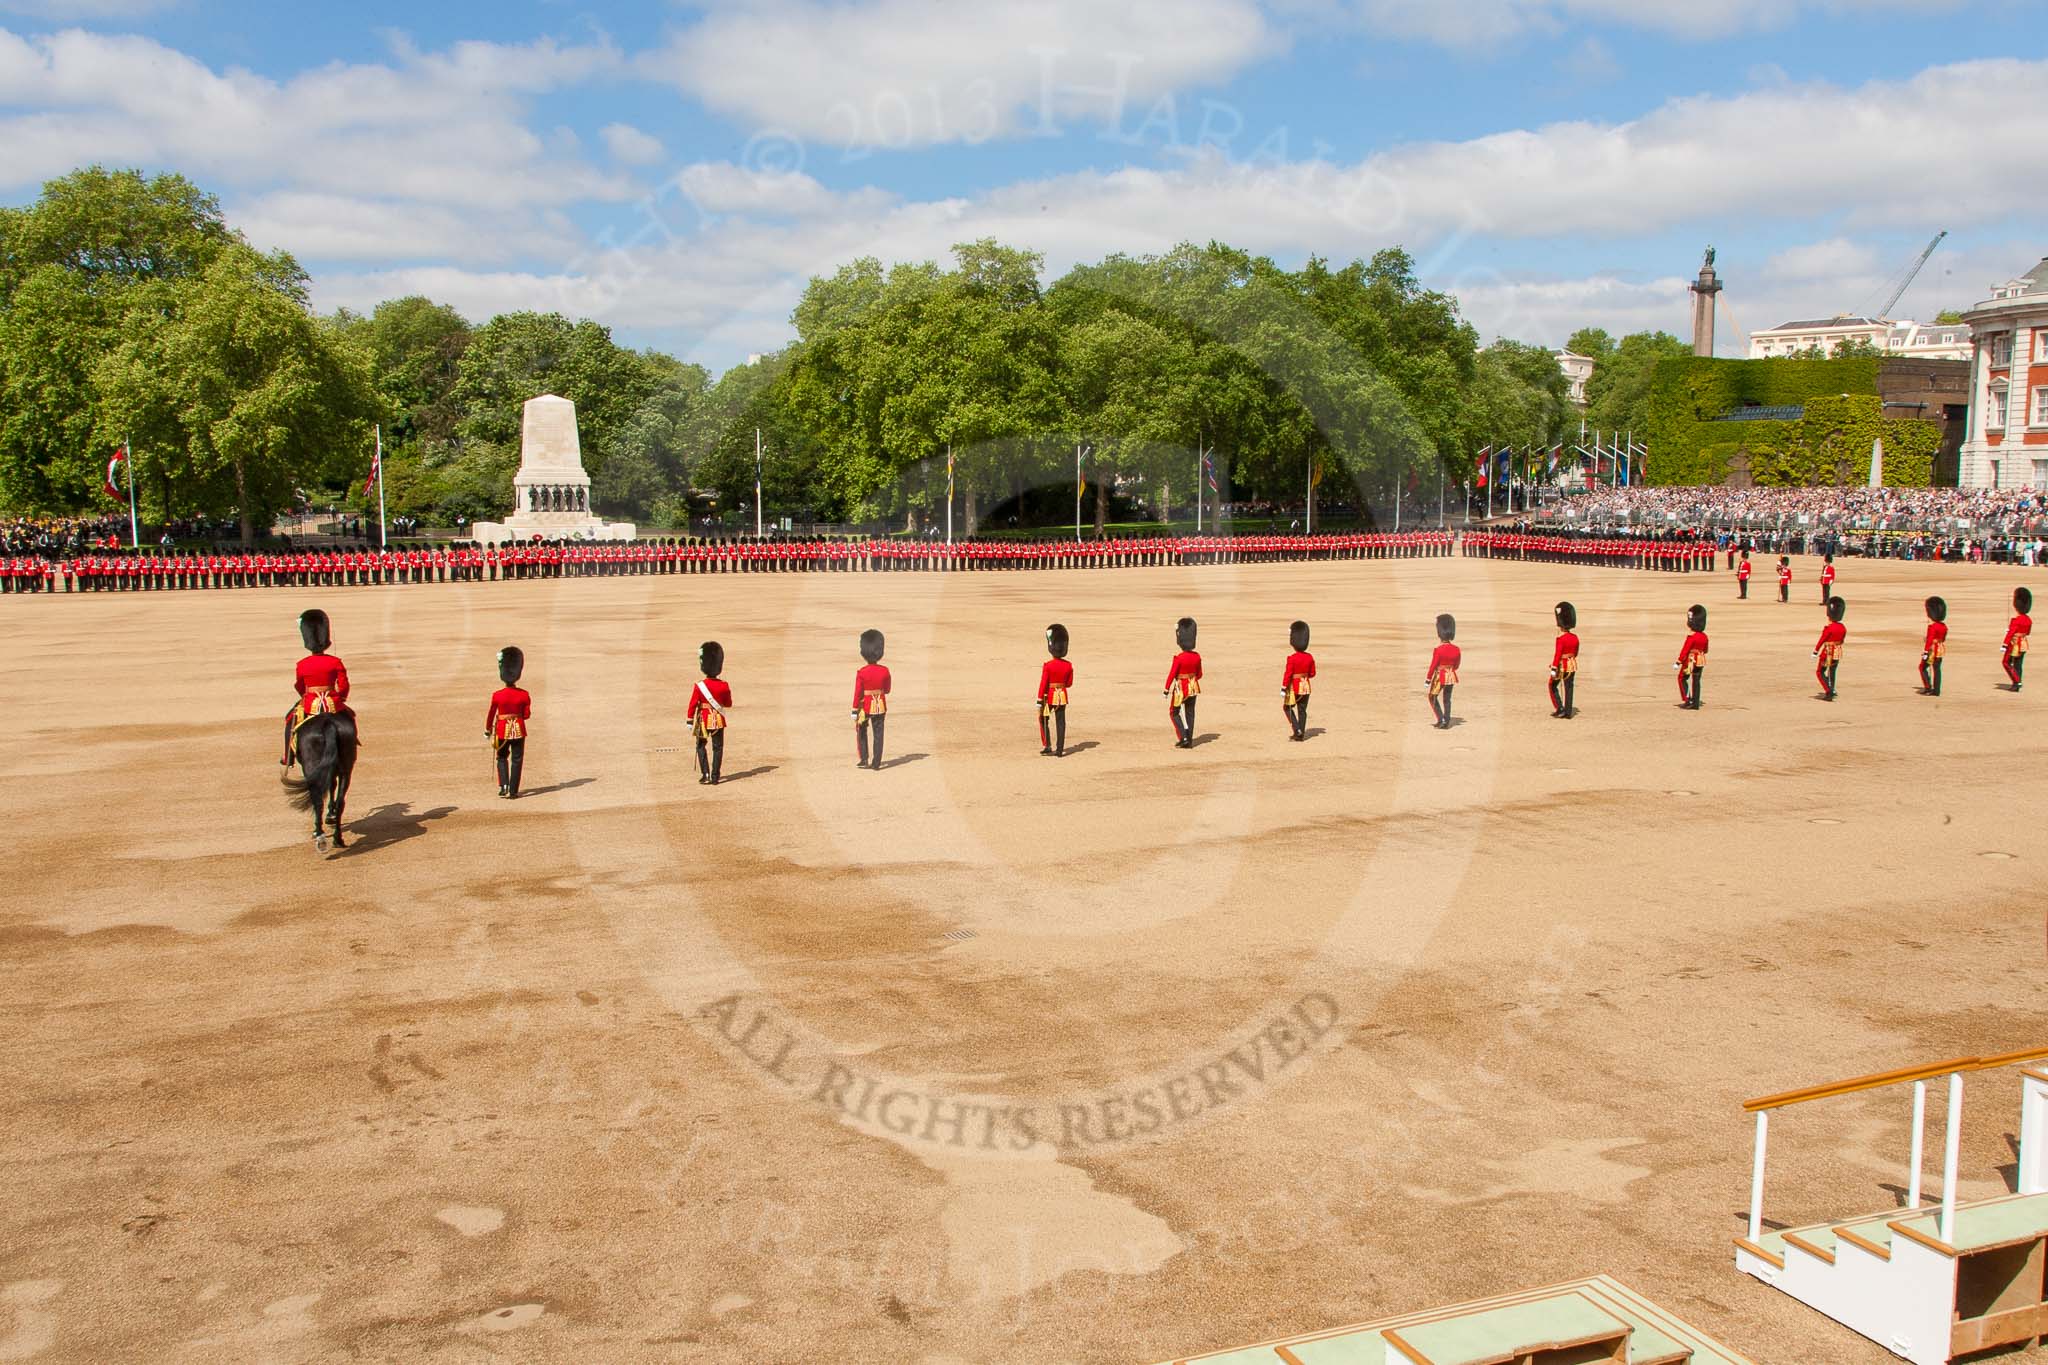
(550,493)
(1703,291)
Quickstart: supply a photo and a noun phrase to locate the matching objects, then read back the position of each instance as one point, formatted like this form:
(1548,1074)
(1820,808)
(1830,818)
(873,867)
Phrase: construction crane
(1884,313)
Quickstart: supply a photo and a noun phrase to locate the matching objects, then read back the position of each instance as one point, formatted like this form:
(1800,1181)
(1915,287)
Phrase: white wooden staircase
(1928,1282)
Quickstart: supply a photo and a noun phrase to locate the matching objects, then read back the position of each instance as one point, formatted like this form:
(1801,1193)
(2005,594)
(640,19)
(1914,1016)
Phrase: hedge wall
(1829,445)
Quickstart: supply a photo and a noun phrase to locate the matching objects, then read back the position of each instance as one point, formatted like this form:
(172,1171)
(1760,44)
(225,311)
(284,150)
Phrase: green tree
(1618,394)
(82,268)
(1591,342)
(236,393)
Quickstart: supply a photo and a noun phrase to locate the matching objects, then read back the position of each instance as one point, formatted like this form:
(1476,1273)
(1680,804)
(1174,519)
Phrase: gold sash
(708,721)
(1445,678)
(1302,683)
(1568,666)
(874,703)
(1831,652)
(1694,660)
(1055,696)
(2019,645)
(1937,649)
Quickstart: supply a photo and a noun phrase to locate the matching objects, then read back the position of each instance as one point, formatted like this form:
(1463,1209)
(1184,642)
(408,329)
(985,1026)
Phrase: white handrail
(1954,1138)
(1919,1143)
(1756,1179)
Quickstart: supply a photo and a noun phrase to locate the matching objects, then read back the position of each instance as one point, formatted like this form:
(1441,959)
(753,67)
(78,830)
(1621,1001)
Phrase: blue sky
(678,172)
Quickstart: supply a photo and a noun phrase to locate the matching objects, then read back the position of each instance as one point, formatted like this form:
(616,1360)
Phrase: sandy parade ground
(985,1056)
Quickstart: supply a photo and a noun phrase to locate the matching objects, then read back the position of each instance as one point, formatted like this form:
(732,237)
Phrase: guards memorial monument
(550,493)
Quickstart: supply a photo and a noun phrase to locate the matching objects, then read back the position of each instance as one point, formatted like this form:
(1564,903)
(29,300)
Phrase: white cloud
(335,227)
(735,244)
(1480,25)
(630,146)
(911,73)
(442,127)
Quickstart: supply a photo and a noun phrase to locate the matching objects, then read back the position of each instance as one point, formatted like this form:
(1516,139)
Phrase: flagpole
(757,483)
(1198,485)
(383,541)
(1308,521)
(949,492)
(134,525)
(1077,489)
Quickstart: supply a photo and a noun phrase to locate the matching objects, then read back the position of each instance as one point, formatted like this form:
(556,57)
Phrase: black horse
(326,746)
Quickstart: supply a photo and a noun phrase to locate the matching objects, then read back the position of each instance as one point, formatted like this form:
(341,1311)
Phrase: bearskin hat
(1447,627)
(711,658)
(1297,635)
(871,646)
(1937,610)
(511,663)
(1567,616)
(1836,608)
(1696,617)
(1184,632)
(1056,640)
(1828,558)
(1784,559)
(2023,600)
(313,630)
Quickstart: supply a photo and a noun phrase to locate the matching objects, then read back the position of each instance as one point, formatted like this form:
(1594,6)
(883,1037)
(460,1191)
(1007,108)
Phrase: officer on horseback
(320,683)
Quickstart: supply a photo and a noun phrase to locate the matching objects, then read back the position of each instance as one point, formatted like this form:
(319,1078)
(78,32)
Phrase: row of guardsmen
(1671,554)
(107,571)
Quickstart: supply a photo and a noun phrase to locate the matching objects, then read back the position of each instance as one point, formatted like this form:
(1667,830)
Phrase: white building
(2007,444)
(1577,370)
(1921,341)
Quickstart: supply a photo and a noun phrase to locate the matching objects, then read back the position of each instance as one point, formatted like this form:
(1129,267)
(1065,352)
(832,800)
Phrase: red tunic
(1936,642)
(1566,653)
(1186,669)
(870,689)
(1053,681)
(2016,634)
(1295,673)
(720,693)
(509,705)
(1830,643)
(1443,664)
(1694,650)
(318,673)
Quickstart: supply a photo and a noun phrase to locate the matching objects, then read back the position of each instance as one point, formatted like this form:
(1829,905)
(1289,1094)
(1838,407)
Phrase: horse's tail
(318,749)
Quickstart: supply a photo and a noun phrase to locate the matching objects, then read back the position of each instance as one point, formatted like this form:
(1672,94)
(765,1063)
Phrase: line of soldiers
(1681,554)
(458,563)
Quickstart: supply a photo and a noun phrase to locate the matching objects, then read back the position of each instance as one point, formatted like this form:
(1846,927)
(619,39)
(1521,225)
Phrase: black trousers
(876,724)
(1440,703)
(1298,716)
(1784,592)
(1930,674)
(1742,585)
(1691,685)
(511,763)
(711,754)
(1561,693)
(1183,719)
(1052,730)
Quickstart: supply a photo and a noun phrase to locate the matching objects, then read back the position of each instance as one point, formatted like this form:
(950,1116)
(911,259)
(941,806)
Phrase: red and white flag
(114,489)
(376,469)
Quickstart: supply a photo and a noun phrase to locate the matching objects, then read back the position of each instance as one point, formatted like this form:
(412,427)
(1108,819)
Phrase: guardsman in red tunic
(1442,676)
(2016,633)
(1742,578)
(1933,647)
(1297,679)
(1827,578)
(870,699)
(506,722)
(1054,681)
(1827,651)
(1183,684)
(709,701)
(1692,659)
(320,682)
(1784,579)
(1564,663)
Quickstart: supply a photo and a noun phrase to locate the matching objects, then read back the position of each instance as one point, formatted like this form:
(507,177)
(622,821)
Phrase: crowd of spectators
(2004,512)
(57,537)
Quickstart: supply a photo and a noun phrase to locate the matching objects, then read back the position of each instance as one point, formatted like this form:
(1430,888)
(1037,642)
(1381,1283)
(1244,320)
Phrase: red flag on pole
(114,489)
(376,468)
(1485,460)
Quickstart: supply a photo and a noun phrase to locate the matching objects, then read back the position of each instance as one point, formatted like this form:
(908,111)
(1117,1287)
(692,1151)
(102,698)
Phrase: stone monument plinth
(550,493)
(1703,291)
